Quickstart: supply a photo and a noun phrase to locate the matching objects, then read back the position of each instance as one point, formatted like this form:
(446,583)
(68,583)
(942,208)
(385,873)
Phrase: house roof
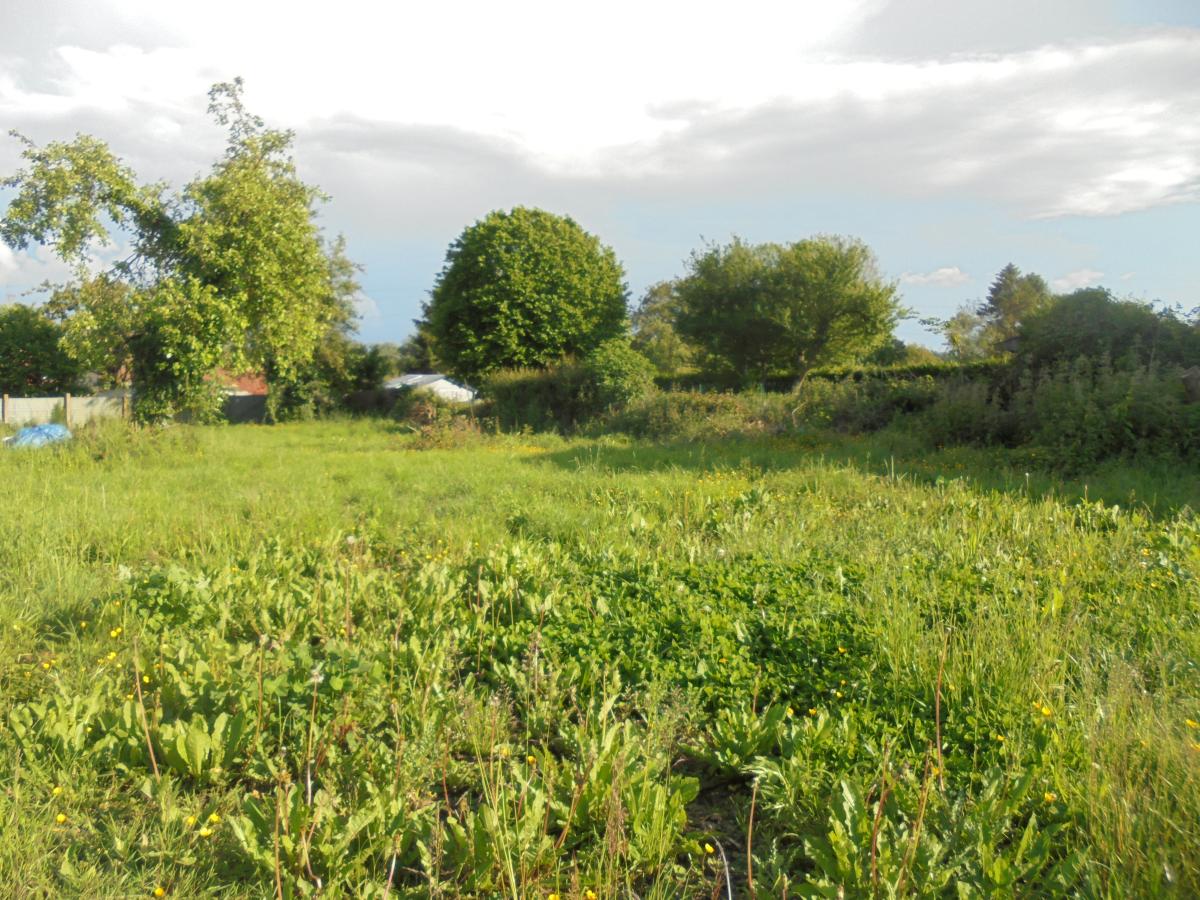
(417,379)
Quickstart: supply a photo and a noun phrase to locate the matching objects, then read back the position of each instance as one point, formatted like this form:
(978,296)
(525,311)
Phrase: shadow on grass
(1157,488)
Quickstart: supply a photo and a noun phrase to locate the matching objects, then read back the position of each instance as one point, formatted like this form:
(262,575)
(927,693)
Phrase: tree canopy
(654,332)
(766,308)
(1092,323)
(524,288)
(32,361)
(232,271)
(987,328)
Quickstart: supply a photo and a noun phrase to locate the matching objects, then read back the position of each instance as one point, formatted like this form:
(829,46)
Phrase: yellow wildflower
(531,759)
(812,710)
(206,832)
(112,654)
(57,790)
(1047,712)
(116,632)
(1191,723)
(841,649)
(1049,796)
(1000,738)
(213,818)
(83,624)
(61,819)
(590,894)
(708,848)
(160,891)
(190,821)
(145,679)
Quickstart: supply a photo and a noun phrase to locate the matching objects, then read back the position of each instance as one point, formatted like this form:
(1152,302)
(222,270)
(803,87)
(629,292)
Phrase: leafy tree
(230,272)
(897,353)
(615,373)
(964,333)
(524,288)
(654,333)
(988,328)
(32,361)
(1011,299)
(416,353)
(1092,323)
(786,307)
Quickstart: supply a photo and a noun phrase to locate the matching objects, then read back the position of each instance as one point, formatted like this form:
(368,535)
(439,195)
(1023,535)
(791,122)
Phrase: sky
(952,136)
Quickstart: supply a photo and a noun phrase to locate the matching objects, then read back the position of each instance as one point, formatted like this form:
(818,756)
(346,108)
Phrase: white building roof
(434,382)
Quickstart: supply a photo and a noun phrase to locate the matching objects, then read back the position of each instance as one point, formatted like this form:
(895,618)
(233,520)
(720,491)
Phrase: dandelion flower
(61,819)
(1050,796)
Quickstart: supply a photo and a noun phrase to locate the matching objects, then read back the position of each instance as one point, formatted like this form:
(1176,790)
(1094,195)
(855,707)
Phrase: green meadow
(343,659)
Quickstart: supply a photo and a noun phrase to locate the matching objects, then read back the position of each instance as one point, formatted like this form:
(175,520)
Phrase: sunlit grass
(532,665)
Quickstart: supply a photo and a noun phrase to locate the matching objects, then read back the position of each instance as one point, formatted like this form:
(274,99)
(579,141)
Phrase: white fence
(67,409)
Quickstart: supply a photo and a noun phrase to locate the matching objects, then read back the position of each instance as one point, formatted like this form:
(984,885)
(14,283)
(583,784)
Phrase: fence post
(67,409)
(125,403)
(3,409)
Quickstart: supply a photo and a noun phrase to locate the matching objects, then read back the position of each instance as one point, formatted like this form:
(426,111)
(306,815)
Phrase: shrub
(543,399)
(1092,323)
(615,373)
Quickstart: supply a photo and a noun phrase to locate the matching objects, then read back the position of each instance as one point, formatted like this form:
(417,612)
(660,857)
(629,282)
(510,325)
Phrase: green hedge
(987,369)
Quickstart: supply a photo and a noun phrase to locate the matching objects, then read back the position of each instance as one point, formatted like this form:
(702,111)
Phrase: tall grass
(317,658)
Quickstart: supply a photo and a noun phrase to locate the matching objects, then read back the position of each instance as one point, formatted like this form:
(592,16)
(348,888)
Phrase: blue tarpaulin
(40,436)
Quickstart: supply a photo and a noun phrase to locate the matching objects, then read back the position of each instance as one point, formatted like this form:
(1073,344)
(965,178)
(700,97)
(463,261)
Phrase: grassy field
(330,658)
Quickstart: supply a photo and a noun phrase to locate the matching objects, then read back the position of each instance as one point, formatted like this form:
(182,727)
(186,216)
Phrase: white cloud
(21,271)
(947,276)
(1075,128)
(1074,280)
(366,307)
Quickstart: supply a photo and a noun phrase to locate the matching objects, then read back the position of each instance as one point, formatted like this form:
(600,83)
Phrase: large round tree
(762,308)
(524,288)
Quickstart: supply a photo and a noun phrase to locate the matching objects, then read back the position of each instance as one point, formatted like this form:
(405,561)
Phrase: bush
(550,399)
(1092,323)
(615,374)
